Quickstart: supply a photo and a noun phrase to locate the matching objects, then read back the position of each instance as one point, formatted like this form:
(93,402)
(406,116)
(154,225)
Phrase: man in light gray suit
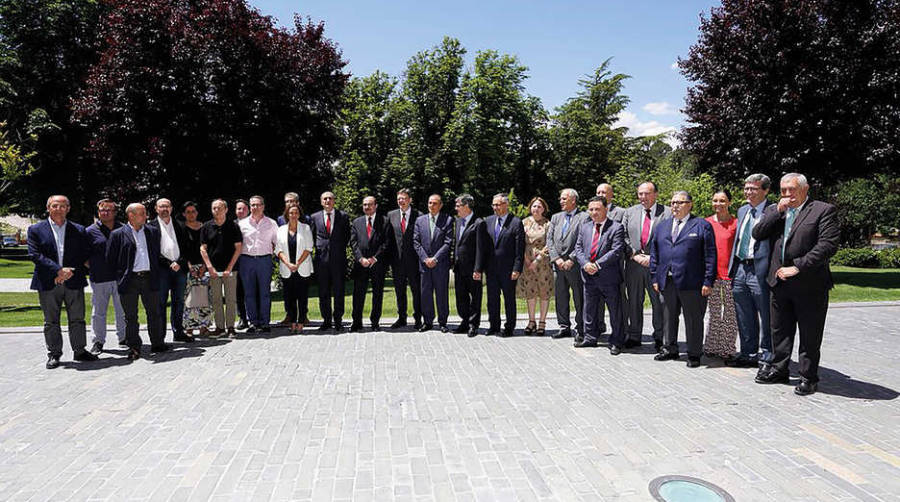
(615,213)
(561,238)
(640,221)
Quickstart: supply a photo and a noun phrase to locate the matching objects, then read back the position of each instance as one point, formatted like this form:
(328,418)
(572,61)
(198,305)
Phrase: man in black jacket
(468,256)
(331,231)
(134,250)
(173,267)
(505,236)
(404,260)
(369,243)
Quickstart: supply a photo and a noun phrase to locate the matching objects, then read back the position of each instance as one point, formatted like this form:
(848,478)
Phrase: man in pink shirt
(259,234)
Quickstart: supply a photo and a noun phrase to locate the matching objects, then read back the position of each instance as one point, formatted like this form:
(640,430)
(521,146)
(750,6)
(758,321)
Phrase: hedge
(867,258)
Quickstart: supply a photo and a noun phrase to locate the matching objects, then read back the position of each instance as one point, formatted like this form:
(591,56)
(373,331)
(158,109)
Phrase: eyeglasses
(680,202)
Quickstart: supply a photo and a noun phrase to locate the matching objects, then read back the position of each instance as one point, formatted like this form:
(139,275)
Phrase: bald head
(137,215)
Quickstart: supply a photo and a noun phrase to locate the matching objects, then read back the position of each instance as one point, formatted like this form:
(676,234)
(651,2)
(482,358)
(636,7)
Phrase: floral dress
(536,284)
(197,305)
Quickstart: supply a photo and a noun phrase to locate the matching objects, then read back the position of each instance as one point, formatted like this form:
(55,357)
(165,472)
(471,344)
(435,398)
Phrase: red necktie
(327,224)
(402,223)
(645,229)
(369,227)
(595,243)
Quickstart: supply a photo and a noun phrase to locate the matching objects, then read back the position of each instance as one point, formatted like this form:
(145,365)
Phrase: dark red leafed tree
(195,99)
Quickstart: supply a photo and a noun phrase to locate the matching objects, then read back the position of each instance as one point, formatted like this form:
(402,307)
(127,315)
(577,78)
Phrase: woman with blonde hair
(535,284)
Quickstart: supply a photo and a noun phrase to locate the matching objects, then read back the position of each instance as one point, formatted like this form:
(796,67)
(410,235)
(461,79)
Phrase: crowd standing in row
(760,275)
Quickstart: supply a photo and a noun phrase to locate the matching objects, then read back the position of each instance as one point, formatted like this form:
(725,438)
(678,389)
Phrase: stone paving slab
(410,416)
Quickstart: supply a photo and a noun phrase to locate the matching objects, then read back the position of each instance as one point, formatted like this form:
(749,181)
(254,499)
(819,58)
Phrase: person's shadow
(835,383)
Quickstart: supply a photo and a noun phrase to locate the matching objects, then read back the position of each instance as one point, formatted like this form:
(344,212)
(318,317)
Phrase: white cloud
(674,66)
(651,128)
(661,108)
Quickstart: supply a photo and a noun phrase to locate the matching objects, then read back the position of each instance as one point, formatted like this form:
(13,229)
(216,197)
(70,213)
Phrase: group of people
(760,275)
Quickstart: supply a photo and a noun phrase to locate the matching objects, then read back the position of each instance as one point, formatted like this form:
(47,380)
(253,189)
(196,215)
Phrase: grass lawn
(15,269)
(852,285)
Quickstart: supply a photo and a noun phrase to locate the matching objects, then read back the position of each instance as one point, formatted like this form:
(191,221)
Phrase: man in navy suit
(748,270)
(503,263)
(598,251)
(173,267)
(468,255)
(369,243)
(134,251)
(404,260)
(331,231)
(432,238)
(683,268)
(59,249)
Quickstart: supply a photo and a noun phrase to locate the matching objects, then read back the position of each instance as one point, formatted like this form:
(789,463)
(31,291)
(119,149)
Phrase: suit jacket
(183,247)
(364,246)
(760,247)
(563,245)
(507,253)
(691,258)
(43,252)
(120,252)
(609,253)
(633,221)
(812,242)
(331,250)
(439,245)
(402,252)
(469,249)
(616,213)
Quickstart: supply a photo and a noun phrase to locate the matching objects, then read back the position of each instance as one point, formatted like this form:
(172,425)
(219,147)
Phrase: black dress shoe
(657,345)
(444,328)
(324,327)
(425,327)
(52,362)
(462,328)
(693,363)
(665,355)
(506,333)
(97,348)
(805,388)
(584,343)
(183,338)
(123,343)
(614,350)
(133,354)
(266,329)
(242,325)
(418,324)
(399,323)
(84,356)
(338,328)
(355,328)
(156,349)
(473,332)
(376,326)
(251,330)
(772,376)
(493,332)
(563,333)
(630,344)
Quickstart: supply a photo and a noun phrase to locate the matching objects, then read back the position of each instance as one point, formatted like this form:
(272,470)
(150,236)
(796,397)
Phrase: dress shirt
(465,223)
(260,236)
(141,254)
(168,241)
(752,221)
(59,233)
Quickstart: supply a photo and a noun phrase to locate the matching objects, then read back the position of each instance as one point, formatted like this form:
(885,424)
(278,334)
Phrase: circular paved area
(409,416)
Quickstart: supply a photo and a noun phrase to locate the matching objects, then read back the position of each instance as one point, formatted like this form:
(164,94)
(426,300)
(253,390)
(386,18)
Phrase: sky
(559,41)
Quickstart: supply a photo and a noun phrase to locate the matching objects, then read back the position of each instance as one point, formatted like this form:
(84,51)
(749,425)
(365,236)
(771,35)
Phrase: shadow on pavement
(835,383)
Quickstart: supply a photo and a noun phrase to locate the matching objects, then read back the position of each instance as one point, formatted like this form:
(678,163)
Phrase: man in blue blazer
(683,268)
(598,251)
(59,250)
(748,269)
(503,264)
(432,239)
(134,251)
(331,232)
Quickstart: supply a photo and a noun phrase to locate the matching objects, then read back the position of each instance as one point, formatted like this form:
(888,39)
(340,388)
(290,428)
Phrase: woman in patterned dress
(197,307)
(722,329)
(536,282)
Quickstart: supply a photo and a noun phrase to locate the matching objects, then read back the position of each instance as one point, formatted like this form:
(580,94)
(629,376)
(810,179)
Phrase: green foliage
(15,163)
(889,258)
(856,257)
(863,207)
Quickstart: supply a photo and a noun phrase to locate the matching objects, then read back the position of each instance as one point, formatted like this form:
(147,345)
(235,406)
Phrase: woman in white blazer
(293,248)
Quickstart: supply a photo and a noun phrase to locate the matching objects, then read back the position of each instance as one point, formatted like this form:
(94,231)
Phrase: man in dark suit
(748,269)
(369,243)
(173,267)
(134,249)
(598,252)
(641,221)
(59,249)
(468,256)
(561,239)
(331,231)
(805,236)
(683,266)
(505,256)
(432,239)
(404,260)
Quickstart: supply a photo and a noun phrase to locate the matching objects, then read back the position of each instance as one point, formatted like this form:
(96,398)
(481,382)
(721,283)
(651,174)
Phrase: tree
(202,98)
(796,85)
(15,162)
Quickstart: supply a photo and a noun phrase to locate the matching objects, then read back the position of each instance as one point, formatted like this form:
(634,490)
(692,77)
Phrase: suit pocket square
(692,235)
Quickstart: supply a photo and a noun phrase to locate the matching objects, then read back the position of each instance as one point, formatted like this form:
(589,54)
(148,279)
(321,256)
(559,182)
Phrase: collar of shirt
(760,208)
(467,218)
(58,226)
(168,242)
(652,210)
(133,231)
(800,207)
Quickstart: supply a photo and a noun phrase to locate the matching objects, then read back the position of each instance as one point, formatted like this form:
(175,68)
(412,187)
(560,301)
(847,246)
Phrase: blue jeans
(102,293)
(256,275)
(751,301)
(172,284)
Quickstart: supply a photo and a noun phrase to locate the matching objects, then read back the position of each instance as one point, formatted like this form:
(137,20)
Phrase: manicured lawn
(15,269)
(853,285)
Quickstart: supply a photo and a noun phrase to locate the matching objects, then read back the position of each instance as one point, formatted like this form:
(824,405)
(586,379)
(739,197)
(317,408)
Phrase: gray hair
(502,197)
(292,196)
(466,200)
(133,207)
(801,180)
(683,193)
(762,179)
(571,192)
(49,199)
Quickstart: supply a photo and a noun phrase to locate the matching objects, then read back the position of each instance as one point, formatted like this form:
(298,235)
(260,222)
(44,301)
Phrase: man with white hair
(805,234)
(561,238)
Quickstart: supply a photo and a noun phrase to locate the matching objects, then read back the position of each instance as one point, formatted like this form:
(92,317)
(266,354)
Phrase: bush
(889,258)
(856,257)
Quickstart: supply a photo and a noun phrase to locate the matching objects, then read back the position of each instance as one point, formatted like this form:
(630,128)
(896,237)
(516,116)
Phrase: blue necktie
(497,229)
(565,228)
(788,223)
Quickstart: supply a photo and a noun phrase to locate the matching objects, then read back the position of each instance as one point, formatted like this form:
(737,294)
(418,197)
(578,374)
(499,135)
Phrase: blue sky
(560,42)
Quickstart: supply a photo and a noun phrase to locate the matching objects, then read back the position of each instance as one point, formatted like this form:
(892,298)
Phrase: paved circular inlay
(687,489)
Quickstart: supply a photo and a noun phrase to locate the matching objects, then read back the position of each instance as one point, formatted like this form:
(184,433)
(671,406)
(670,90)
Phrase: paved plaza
(409,416)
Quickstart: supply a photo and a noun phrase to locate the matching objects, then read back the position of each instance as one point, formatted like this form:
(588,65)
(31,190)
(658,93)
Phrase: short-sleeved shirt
(220,241)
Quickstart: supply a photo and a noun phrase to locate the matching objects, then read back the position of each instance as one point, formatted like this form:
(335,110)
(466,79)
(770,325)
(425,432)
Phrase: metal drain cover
(687,489)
